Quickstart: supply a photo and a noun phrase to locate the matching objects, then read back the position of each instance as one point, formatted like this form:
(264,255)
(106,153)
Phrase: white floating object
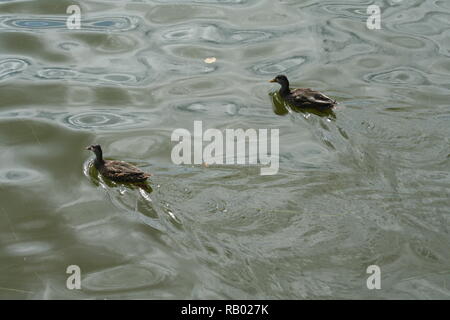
(210,60)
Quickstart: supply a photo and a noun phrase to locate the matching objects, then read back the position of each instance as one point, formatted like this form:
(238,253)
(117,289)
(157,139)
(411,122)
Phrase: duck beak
(89,148)
(273,80)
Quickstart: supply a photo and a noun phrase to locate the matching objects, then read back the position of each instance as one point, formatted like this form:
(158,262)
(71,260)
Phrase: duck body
(119,171)
(303,97)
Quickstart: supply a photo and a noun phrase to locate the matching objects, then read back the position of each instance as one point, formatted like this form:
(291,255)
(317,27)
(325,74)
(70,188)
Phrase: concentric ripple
(58,73)
(19,176)
(95,119)
(399,76)
(98,119)
(126,277)
(106,119)
(12,66)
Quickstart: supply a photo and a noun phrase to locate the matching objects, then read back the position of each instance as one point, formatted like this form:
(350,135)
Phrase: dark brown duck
(119,171)
(303,97)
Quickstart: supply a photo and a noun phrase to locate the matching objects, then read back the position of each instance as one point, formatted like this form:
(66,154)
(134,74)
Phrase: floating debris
(210,60)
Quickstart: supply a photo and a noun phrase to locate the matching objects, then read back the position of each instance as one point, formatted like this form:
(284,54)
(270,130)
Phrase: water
(367,186)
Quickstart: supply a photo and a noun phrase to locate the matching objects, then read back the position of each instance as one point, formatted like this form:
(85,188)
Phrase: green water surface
(367,186)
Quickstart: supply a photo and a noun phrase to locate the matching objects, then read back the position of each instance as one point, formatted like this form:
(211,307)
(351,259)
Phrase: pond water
(367,186)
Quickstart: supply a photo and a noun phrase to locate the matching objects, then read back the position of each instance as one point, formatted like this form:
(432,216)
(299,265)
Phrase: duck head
(283,81)
(97,150)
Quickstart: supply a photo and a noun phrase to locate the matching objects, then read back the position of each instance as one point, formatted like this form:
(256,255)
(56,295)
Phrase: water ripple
(126,277)
(347,11)
(57,73)
(110,24)
(12,66)
(398,76)
(348,187)
(279,66)
(172,14)
(97,119)
(96,77)
(19,176)
(168,63)
(428,24)
(28,248)
(227,107)
(214,33)
(207,1)
(107,119)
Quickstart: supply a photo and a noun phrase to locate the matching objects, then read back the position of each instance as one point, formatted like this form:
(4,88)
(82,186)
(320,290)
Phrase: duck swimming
(119,171)
(303,98)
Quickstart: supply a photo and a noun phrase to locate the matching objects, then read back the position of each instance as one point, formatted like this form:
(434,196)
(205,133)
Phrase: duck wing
(306,96)
(123,171)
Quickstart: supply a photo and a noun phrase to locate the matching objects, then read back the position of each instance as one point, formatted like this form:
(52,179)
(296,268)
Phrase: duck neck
(99,158)
(284,91)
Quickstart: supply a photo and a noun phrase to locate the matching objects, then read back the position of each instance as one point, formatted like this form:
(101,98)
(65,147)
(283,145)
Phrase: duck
(118,171)
(303,97)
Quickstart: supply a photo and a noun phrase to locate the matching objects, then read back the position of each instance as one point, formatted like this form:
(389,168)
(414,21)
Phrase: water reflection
(134,198)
